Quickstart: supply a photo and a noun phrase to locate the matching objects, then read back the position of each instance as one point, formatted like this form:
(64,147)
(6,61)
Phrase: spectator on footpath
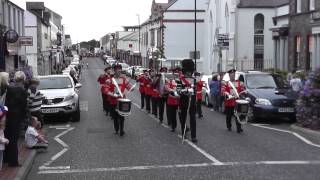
(16,101)
(35,100)
(215,91)
(73,76)
(3,141)
(33,139)
(296,83)
(4,83)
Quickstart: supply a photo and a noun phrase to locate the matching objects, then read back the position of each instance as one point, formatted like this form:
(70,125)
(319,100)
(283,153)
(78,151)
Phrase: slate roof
(262,3)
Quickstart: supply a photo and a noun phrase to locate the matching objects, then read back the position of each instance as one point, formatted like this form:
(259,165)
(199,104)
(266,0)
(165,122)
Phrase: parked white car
(60,96)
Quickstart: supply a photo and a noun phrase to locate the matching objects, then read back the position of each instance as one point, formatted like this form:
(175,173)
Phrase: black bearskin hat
(187,66)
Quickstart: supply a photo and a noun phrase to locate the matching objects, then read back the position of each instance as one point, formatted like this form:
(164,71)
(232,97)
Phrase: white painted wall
(245,33)
(179,36)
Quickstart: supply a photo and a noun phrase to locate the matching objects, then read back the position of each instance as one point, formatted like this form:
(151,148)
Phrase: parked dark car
(270,96)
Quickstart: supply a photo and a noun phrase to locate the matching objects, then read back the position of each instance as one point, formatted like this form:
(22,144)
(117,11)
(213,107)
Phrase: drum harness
(120,93)
(239,115)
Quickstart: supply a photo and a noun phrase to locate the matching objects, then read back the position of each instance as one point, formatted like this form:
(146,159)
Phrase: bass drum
(124,107)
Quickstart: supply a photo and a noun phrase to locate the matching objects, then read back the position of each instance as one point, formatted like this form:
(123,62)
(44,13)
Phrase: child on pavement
(3,140)
(33,139)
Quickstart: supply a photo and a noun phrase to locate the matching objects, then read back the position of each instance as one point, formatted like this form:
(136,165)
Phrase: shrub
(308,106)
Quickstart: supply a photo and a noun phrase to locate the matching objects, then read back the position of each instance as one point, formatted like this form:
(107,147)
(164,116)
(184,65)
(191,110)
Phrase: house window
(159,38)
(3,13)
(298,6)
(152,38)
(227,18)
(311,5)
(9,17)
(14,19)
(297,53)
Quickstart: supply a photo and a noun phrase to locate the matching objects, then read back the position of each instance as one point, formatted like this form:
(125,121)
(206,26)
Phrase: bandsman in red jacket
(172,103)
(142,80)
(155,94)
(199,95)
(230,101)
(102,81)
(114,96)
(148,90)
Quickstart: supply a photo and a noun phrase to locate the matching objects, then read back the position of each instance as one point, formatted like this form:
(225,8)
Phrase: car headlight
(70,97)
(264,102)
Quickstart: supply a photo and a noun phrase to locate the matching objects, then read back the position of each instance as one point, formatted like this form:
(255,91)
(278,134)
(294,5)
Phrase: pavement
(89,149)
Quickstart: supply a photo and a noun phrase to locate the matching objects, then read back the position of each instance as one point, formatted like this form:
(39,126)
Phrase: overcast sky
(91,19)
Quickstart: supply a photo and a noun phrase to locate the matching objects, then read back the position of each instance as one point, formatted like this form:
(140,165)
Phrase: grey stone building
(302,42)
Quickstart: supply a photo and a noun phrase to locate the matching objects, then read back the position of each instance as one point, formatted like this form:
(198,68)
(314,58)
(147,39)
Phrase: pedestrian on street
(133,72)
(16,101)
(114,96)
(230,100)
(215,87)
(296,83)
(3,140)
(35,100)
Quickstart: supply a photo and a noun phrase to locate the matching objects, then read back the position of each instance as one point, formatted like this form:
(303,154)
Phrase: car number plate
(286,110)
(49,111)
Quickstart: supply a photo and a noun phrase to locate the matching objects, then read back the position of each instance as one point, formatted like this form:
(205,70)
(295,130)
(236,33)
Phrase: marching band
(180,93)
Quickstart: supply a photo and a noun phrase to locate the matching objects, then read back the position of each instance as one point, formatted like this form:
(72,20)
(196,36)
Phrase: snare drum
(124,107)
(242,106)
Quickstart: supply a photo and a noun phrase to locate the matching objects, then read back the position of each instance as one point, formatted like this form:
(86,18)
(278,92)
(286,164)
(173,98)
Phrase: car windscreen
(260,81)
(124,65)
(55,83)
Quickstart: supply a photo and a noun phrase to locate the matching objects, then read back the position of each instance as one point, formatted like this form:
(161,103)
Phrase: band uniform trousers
(118,121)
(172,116)
(161,105)
(154,102)
(183,111)
(229,115)
(143,96)
(148,105)
(199,108)
(193,120)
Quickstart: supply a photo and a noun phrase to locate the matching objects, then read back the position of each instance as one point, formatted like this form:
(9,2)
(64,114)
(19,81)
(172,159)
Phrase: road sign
(11,36)
(223,41)
(26,41)
(191,56)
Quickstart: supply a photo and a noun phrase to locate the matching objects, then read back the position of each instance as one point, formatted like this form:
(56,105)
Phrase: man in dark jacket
(16,101)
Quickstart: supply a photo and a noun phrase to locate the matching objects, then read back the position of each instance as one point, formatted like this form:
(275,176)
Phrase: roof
(262,3)
(170,3)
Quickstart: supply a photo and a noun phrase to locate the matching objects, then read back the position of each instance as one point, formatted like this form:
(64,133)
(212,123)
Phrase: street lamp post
(139,30)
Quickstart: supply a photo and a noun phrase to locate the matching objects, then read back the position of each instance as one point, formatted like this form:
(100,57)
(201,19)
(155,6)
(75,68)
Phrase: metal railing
(256,64)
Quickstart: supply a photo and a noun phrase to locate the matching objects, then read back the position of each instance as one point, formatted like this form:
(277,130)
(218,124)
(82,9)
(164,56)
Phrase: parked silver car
(61,96)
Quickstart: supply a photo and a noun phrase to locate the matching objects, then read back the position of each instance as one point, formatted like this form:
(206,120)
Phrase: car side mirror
(78,86)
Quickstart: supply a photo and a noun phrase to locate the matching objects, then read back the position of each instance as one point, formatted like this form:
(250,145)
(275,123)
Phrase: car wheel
(76,115)
(251,117)
(292,118)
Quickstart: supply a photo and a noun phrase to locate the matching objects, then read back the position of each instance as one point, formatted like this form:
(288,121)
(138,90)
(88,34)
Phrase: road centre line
(289,132)
(203,152)
(159,167)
